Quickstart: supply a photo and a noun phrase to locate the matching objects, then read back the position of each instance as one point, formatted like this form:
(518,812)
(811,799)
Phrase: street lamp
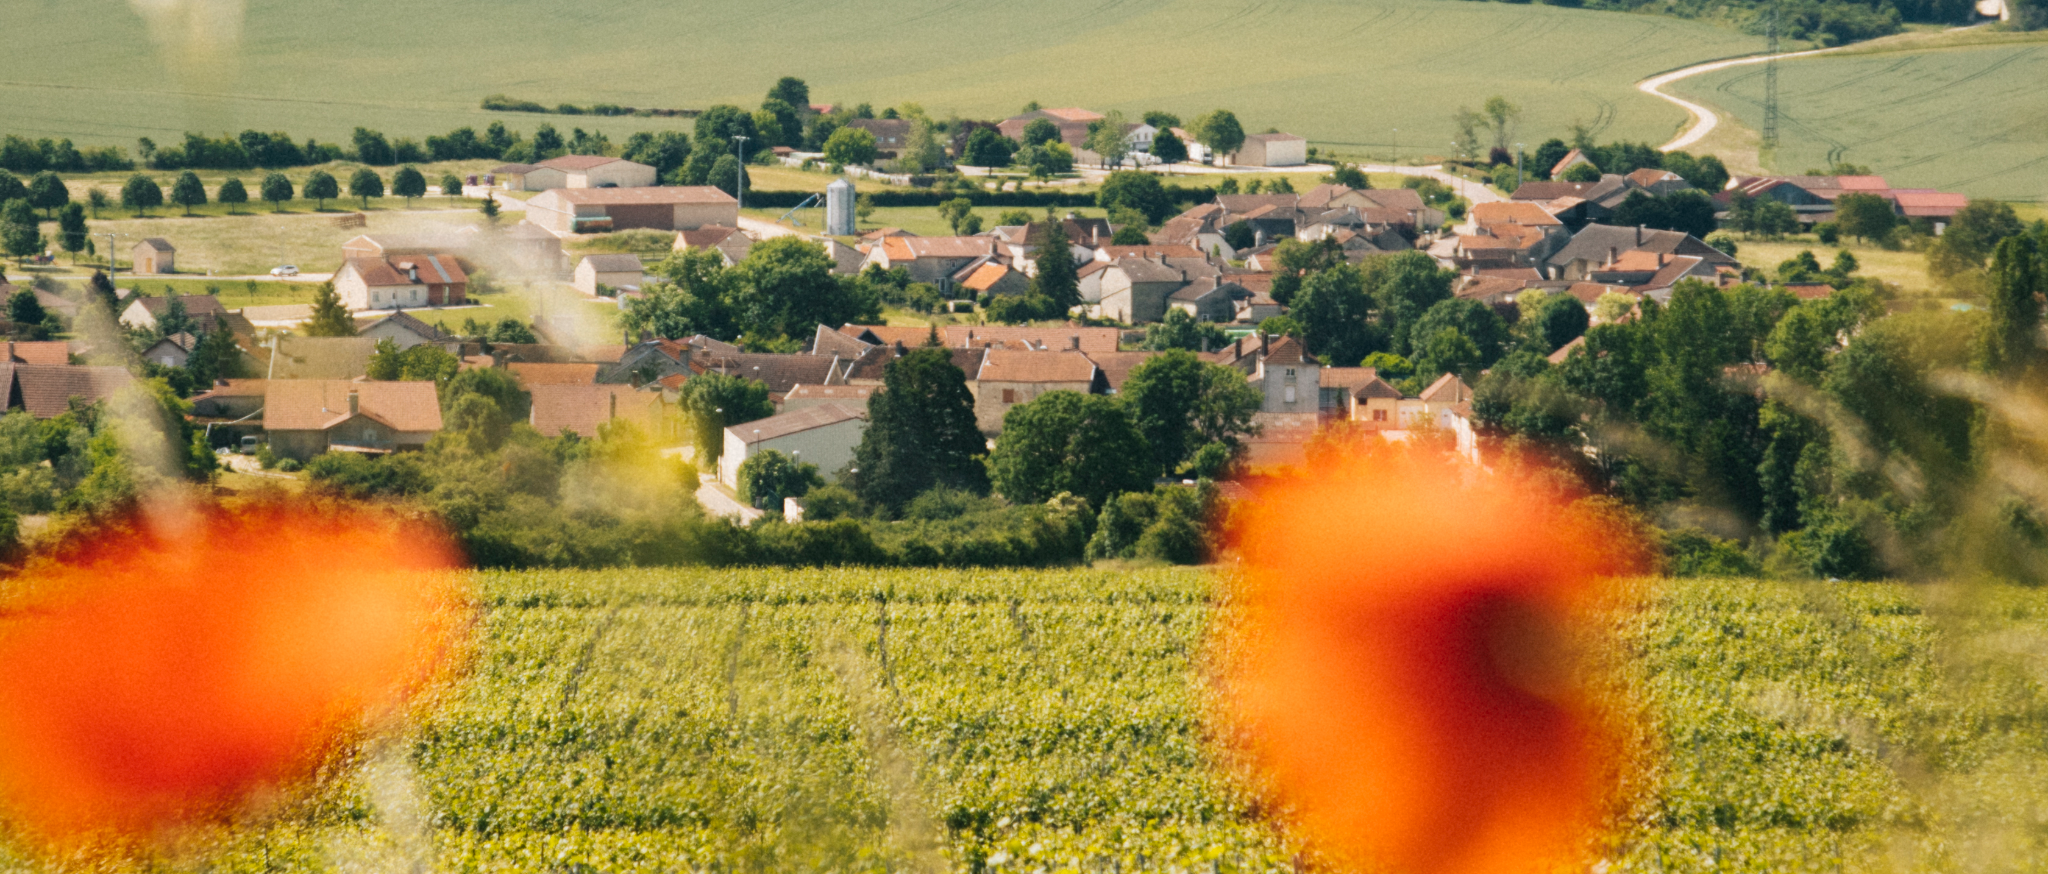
(739,174)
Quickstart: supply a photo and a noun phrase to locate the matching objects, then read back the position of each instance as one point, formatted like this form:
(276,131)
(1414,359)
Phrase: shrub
(1690,552)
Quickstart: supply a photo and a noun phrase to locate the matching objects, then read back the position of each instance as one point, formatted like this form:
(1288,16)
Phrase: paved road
(1704,119)
(720,501)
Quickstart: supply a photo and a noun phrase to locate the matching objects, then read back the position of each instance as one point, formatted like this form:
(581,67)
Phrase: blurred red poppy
(1404,674)
(164,680)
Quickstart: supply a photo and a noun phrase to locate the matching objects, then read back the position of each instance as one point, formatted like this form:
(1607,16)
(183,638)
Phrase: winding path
(1704,119)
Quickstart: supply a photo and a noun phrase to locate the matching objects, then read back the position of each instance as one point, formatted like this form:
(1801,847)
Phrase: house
(1110,254)
(1009,377)
(664,208)
(306,417)
(1117,366)
(172,351)
(596,274)
(649,361)
(1072,124)
(1272,150)
(52,352)
(46,391)
(1067,337)
(846,260)
(398,281)
(1597,246)
(732,244)
(1088,280)
(292,357)
(205,310)
(232,399)
(780,373)
(1281,440)
(575,171)
(1290,380)
(804,396)
(889,133)
(1138,290)
(824,435)
(1657,182)
(1021,242)
(65,308)
(531,373)
(154,255)
(1208,299)
(407,331)
(583,408)
(931,260)
(992,278)
(1571,159)
(1938,206)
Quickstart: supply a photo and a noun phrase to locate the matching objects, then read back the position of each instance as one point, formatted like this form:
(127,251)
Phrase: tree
(451,185)
(140,193)
(321,187)
(276,190)
(712,402)
(47,193)
(232,194)
(1049,160)
(1130,235)
(1066,441)
(1349,176)
(1179,403)
(188,191)
(1241,236)
(215,357)
(19,229)
(768,476)
(408,183)
(788,123)
(422,363)
(1561,320)
(1580,173)
(1402,288)
(96,199)
(988,148)
(1110,140)
(1180,330)
(372,147)
(489,208)
(922,151)
(785,288)
(1467,123)
(728,175)
(1500,118)
(1865,216)
(1545,157)
(1168,148)
(1476,321)
(28,314)
(510,330)
(1041,131)
(364,184)
(176,319)
(1445,350)
(1058,280)
(793,91)
(1136,190)
(956,212)
(1219,132)
(71,230)
(330,317)
(2010,343)
(850,147)
(921,433)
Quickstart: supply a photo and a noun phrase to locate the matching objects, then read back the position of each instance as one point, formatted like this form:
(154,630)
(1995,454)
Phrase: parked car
(284,270)
(248,446)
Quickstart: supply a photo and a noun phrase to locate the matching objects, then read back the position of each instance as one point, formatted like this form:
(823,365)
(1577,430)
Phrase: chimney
(1612,254)
(615,405)
(1074,342)
(1237,349)
(1639,235)
(10,350)
(354,402)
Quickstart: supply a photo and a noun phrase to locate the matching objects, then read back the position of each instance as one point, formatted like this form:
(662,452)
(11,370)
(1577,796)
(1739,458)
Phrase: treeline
(502,103)
(1823,22)
(24,156)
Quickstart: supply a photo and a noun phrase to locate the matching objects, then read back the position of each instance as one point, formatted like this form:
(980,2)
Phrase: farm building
(614,272)
(598,210)
(1272,150)
(401,281)
(154,255)
(1008,377)
(408,331)
(889,133)
(575,171)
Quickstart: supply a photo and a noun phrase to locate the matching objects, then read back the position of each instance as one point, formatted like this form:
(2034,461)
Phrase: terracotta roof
(1376,389)
(532,374)
(662,194)
(1091,268)
(613,263)
(1286,350)
(1551,190)
(45,391)
(235,388)
(1514,212)
(1590,292)
(986,276)
(1811,291)
(1075,113)
(847,393)
(578,162)
(913,248)
(1112,253)
(580,409)
(1117,366)
(785,424)
(1347,377)
(1023,337)
(55,353)
(1447,388)
(319,404)
(400,270)
(1015,365)
(1649,176)
(1565,352)
(1933,204)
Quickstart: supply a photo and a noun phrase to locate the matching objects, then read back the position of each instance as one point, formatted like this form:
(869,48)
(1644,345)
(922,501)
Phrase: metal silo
(839,209)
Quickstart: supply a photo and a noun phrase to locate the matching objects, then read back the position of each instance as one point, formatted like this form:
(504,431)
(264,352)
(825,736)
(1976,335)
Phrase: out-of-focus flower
(1405,675)
(168,680)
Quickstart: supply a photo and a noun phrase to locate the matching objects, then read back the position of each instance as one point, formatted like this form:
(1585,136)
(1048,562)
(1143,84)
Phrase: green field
(865,720)
(1346,71)
(1966,117)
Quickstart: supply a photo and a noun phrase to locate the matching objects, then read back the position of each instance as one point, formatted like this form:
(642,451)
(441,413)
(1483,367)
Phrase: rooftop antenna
(1770,134)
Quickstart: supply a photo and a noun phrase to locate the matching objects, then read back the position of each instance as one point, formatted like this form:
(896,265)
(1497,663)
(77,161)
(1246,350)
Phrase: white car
(285,270)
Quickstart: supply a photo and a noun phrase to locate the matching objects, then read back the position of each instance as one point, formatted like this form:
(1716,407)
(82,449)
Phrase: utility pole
(1397,146)
(1770,132)
(1518,165)
(113,265)
(739,174)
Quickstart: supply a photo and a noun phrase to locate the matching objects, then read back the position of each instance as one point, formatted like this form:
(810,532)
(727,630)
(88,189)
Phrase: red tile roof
(580,409)
(319,404)
(532,374)
(1011,365)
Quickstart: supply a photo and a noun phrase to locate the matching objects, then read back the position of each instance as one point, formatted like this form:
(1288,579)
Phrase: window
(1290,393)
(1290,373)
(1379,415)
(1009,395)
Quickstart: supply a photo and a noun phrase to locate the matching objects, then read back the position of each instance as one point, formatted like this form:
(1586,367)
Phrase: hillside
(1965,113)
(1347,71)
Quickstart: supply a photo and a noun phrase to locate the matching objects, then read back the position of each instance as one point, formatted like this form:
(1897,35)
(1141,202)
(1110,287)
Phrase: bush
(1829,233)
(1690,552)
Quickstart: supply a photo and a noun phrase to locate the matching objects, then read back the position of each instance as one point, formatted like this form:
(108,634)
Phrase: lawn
(1906,269)
(590,321)
(767,720)
(257,240)
(1339,71)
(1968,117)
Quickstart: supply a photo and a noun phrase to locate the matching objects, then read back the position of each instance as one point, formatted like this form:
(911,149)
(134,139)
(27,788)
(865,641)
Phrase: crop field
(1347,71)
(865,720)
(1967,118)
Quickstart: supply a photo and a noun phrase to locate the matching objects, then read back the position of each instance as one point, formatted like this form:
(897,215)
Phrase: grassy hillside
(1342,70)
(853,719)
(1961,116)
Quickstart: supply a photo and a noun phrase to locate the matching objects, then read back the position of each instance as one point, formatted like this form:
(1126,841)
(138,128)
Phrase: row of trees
(141,193)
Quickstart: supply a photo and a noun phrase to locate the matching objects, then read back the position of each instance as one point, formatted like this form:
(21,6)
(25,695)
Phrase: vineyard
(764,720)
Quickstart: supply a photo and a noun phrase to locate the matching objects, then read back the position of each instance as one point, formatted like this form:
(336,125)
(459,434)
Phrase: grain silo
(839,209)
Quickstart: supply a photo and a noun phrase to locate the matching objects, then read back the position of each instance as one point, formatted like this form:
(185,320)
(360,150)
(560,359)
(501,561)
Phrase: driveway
(720,501)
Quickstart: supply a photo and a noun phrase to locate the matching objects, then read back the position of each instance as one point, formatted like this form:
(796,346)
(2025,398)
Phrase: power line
(1770,138)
